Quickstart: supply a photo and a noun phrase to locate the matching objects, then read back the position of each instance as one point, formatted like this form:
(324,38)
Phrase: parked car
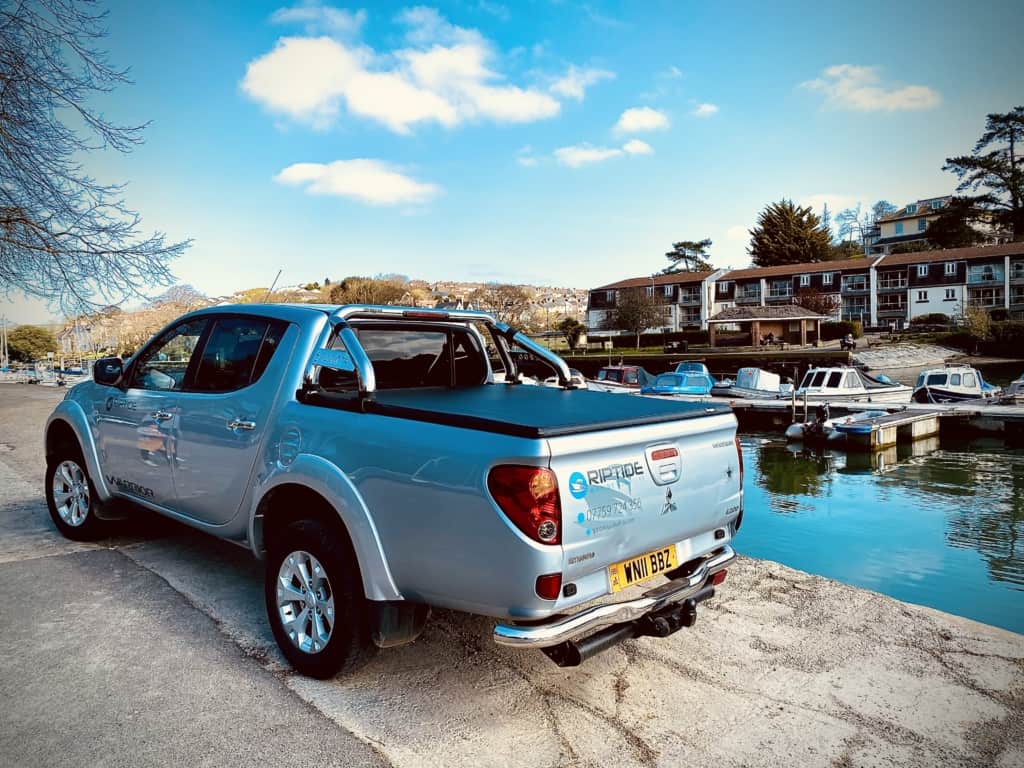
(369,457)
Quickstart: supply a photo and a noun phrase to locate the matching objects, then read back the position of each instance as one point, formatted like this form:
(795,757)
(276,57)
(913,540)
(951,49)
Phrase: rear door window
(237,353)
(164,365)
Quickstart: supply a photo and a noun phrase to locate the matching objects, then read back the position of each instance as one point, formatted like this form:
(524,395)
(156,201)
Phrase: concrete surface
(783,668)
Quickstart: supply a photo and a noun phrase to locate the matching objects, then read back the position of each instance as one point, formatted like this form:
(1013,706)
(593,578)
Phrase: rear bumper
(560,629)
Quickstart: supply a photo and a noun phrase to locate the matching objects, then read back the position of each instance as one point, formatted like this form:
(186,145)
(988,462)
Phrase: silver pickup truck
(381,464)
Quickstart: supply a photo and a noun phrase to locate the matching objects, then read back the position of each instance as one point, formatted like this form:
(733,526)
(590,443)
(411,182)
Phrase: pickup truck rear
(370,457)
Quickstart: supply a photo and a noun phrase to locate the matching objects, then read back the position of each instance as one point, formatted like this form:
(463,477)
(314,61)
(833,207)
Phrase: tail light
(718,578)
(739,455)
(529,496)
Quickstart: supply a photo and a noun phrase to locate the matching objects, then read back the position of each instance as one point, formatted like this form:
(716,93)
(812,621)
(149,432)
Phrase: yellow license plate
(637,569)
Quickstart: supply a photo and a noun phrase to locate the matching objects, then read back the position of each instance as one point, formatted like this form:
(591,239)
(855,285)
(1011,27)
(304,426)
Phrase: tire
(71,496)
(335,635)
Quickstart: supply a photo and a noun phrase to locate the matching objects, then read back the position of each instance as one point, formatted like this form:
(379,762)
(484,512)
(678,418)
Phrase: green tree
(366,290)
(30,342)
(572,329)
(845,250)
(689,256)
(65,237)
(787,233)
(914,246)
(635,312)
(996,168)
(977,323)
(953,228)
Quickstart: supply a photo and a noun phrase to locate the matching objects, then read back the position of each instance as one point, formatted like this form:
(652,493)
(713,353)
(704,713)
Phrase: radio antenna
(271,288)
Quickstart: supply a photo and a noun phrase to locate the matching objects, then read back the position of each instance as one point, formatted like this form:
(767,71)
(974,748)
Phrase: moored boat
(690,385)
(756,384)
(831,430)
(1014,392)
(844,384)
(620,378)
(953,384)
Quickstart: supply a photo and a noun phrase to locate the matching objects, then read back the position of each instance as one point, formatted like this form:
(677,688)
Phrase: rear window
(406,358)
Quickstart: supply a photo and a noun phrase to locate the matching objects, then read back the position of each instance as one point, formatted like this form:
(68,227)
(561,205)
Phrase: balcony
(780,296)
(986,298)
(1017,272)
(748,298)
(892,310)
(892,283)
(689,298)
(855,286)
(1017,297)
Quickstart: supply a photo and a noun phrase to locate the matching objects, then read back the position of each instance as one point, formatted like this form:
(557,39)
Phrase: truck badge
(669,505)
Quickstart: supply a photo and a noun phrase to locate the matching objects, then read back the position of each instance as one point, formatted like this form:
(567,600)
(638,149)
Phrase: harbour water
(938,524)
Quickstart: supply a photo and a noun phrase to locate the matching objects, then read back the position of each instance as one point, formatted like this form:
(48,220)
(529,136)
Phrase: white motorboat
(1014,392)
(954,384)
(829,430)
(621,379)
(755,384)
(843,384)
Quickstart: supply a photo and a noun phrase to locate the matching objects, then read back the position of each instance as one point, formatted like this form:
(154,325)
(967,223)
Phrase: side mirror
(108,370)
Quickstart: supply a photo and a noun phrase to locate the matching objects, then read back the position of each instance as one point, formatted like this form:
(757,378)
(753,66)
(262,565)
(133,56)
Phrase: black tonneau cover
(520,410)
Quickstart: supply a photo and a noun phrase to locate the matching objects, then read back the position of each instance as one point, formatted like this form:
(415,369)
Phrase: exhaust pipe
(668,621)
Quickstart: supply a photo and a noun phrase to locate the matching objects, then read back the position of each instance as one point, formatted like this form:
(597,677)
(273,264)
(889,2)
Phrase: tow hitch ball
(572,653)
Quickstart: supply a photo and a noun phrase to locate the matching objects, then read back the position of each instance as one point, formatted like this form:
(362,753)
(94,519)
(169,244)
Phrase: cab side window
(236,353)
(164,365)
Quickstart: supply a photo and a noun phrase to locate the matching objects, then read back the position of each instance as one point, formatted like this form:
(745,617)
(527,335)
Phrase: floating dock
(903,422)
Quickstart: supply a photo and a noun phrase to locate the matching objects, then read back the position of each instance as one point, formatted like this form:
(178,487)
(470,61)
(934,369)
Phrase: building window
(805,280)
(985,273)
(854,308)
(826,278)
(936,205)
(912,208)
(899,227)
(950,294)
(609,296)
(922,296)
(1017,270)
(922,225)
(950,267)
(650,291)
(922,270)
(985,297)
(780,289)
(892,280)
(723,288)
(668,291)
(892,302)
(1017,294)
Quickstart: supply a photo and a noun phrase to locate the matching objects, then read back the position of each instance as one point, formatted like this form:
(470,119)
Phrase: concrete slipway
(151,649)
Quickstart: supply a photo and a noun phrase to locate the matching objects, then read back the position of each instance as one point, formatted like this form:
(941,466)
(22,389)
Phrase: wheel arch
(322,492)
(68,423)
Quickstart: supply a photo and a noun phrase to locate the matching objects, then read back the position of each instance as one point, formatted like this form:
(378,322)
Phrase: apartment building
(686,297)
(880,291)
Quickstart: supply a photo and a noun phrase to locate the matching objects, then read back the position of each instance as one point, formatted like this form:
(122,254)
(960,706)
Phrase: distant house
(456,303)
(907,225)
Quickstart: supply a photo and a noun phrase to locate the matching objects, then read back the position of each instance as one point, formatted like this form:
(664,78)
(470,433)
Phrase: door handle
(238,424)
(161,415)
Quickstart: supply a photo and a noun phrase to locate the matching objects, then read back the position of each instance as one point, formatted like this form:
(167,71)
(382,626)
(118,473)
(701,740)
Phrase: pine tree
(787,233)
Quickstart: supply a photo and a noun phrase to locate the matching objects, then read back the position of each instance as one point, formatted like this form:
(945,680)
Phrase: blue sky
(564,143)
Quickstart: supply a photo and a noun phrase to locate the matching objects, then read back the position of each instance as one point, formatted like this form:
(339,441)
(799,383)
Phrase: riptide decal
(577,485)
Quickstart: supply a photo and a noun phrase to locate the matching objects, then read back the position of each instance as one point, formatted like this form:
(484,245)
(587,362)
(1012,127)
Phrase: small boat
(576,378)
(824,429)
(953,384)
(684,385)
(620,378)
(844,384)
(755,384)
(1014,392)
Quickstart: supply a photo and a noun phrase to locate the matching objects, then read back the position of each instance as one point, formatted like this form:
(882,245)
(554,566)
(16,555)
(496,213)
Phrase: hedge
(837,330)
(932,318)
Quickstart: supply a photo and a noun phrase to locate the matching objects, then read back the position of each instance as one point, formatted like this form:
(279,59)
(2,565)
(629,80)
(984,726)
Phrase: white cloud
(368,181)
(443,79)
(639,119)
(579,155)
(737,232)
(705,110)
(637,147)
(574,83)
(526,158)
(319,18)
(672,73)
(857,88)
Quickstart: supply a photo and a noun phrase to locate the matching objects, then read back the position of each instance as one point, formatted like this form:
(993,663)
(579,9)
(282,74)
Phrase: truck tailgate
(638,490)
